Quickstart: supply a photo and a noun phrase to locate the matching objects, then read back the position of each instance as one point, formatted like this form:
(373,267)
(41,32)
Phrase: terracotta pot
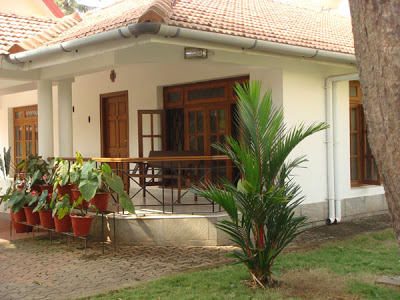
(32,218)
(46,219)
(19,228)
(81,225)
(63,225)
(100,200)
(49,189)
(67,189)
(75,196)
(18,216)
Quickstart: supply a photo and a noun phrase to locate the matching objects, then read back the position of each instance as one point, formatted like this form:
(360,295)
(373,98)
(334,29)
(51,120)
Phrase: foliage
(70,6)
(261,206)
(34,170)
(65,174)
(5,162)
(60,205)
(20,197)
(103,179)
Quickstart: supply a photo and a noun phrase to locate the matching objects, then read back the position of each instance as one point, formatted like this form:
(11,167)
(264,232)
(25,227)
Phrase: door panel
(115,128)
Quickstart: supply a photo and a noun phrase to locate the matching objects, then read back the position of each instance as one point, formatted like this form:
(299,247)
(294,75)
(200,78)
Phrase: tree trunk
(376,28)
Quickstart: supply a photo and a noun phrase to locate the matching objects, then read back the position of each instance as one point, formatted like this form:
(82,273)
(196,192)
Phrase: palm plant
(261,206)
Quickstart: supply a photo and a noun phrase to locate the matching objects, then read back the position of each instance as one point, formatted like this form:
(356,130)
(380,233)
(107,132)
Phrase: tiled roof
(14,29)
(265,20)
(118,15)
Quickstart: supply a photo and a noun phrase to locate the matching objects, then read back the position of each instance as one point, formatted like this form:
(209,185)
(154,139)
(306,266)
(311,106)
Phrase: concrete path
(35,269)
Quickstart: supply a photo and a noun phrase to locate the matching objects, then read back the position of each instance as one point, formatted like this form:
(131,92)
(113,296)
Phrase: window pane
(192,124)
(200,143)
(353,91)
(31,113)
(18,115)
(208,93)
(213,121)
(192,143)
(157,124)
(36,132)
(354,169)
(200,122)
(213,140)
(354,144)
(221,120)
(146,123)
(174,97)
(353,119)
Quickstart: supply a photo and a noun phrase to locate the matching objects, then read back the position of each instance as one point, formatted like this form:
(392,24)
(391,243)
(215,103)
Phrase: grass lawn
(343,270)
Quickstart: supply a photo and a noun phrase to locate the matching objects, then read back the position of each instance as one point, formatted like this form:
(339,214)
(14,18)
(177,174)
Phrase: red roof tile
(256,19)
(14,29)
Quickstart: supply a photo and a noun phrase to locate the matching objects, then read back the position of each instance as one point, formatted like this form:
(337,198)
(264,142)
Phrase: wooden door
(204,127)
(115,128)
(25,132)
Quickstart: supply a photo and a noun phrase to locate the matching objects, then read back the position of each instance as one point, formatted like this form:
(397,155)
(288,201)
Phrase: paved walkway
(36,269)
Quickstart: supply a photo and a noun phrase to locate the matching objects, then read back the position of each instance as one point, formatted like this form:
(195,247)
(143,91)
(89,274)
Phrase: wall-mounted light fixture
(195,53)
(113,75)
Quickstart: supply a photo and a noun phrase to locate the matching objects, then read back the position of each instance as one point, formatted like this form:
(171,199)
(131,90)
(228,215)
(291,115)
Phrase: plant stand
(52,231)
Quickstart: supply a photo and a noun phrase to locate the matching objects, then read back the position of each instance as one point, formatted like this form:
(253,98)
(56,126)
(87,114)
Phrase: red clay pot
(32,218)
(100,200)
(20,217)
(81,225)
(49,189)
(67,189)
(46,219)
(63,225)
(75,196)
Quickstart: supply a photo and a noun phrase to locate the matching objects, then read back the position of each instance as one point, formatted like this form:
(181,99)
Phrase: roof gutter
(138,29)
(74,45)
(247,43)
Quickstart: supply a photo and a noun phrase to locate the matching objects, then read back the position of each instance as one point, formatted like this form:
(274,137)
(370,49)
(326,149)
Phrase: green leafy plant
(65,174)
(103,179)
(34,169)
(60,205)
(5,162)
(261,206)
(20,197)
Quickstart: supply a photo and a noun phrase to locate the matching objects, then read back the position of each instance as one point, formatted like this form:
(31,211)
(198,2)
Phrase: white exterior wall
(296,84)
(144,84)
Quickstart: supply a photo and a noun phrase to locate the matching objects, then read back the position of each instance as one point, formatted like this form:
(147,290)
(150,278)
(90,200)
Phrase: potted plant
(33,168)
(96,185)
(60,212)
(14,199)
(66,178)
(81,220)
(44,208)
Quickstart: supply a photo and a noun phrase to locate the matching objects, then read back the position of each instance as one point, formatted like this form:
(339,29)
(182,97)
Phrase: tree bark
(376,29)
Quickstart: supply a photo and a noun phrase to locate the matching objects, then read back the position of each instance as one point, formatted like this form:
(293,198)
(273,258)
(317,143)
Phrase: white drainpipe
(332,148)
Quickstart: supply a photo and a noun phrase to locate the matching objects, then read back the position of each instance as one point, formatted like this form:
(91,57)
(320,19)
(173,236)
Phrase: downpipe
(332,142)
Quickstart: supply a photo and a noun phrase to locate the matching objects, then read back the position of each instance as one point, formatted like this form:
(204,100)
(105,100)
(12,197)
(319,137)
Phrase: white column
(45,118)
(65,118)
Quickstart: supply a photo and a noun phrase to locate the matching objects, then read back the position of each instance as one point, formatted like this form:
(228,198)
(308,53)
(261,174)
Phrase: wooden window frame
(228,83)
(23,122)
(362,141)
